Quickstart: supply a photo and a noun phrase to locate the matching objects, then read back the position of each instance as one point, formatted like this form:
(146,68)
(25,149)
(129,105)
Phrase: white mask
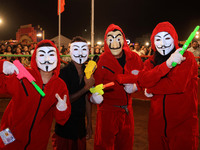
(79,52)
(164,43)
(115,42)
(46,58)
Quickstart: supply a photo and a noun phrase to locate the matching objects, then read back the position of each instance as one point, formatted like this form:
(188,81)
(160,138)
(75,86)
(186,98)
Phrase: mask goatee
(47,68)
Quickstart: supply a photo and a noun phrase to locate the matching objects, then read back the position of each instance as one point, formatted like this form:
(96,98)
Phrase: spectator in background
(34,45)
(145,49)
(26,60)
(32,48)
(68,49)
(0,50)
(150,51)
(19,46)
(8,52)
(138,50)
(97,50)
(66,52)
(3,49)
(195,50)
(18,52)
(62,50)
(25,50)
(102,49)
(131,47)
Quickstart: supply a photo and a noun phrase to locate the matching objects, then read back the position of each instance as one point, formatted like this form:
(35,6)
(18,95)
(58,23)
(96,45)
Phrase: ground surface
(141,109)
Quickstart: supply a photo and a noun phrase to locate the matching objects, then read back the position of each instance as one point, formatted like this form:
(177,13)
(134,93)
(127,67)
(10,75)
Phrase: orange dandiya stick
(108,84)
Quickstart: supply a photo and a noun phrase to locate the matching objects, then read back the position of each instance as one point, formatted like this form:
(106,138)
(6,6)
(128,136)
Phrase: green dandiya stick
(38,88)
(187,43)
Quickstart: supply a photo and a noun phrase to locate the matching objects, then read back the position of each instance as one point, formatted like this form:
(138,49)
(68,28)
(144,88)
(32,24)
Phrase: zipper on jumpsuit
(108,69)
(24,87)
(33,122)
(164,116)
(126,109)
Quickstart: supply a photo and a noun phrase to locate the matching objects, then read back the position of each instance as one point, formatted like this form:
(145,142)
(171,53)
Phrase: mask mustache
(116,47)
(46,62)
(80,56)
(163,46)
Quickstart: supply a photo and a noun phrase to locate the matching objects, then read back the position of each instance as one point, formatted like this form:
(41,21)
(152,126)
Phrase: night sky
(135,17)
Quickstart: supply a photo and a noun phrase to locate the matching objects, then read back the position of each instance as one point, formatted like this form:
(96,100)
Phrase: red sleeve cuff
(126,78)
(164,68)
(1,66)
(62,116)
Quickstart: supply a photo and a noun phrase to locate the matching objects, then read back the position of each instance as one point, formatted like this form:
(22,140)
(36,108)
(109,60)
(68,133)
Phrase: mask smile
(163,46)
(80,56)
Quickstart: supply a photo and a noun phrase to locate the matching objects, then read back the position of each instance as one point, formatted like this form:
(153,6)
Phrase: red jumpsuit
(173,120)
(29,117)
(114,127)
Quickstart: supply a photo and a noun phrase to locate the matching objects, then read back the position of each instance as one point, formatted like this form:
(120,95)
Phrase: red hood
(112,27)
(33,58)
(165,27)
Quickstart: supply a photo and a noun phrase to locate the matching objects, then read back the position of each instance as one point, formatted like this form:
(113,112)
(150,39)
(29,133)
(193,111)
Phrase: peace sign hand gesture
(61,105)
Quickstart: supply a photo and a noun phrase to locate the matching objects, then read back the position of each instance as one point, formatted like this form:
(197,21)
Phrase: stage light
(99,42)
(147,43)
(39,35)
(1,21)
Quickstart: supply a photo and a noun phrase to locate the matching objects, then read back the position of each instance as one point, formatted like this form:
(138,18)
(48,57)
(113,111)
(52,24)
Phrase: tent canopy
(63,40)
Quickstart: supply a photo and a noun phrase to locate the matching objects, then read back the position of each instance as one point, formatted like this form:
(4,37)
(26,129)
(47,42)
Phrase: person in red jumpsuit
(29,116)
(114,121)
(173,116)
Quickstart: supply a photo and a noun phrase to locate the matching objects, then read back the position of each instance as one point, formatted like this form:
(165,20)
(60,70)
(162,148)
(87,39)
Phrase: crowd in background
(7,48)
(25,48)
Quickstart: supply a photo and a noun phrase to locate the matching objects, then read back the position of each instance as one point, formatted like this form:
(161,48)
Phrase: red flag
(62,6)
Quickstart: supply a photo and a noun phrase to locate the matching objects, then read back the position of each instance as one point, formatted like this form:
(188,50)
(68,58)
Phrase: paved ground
(141,109)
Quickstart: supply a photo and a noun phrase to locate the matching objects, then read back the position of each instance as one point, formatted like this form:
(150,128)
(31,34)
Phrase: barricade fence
(62,56)
(26,59)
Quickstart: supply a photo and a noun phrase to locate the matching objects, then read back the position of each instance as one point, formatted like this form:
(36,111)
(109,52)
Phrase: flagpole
(92,27)
(59,25)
